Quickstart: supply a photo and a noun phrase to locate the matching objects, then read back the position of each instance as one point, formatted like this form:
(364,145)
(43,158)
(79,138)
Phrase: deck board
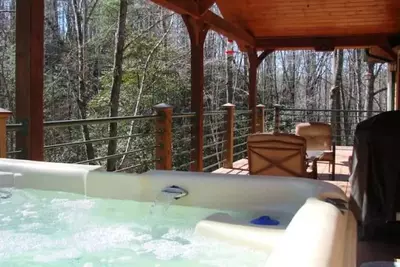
(342,173)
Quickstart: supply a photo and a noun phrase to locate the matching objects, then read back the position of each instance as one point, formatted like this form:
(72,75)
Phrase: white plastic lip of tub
(46,175)
(205,189)
(319,235)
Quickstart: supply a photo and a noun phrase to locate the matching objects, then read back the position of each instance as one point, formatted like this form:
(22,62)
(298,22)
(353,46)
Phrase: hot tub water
(44,228)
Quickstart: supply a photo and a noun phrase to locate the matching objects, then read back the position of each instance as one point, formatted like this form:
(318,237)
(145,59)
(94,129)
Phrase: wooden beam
(182,7)
(388,50)
(216,23)
(29,76)
(321,43)
(228,29)
(204,5)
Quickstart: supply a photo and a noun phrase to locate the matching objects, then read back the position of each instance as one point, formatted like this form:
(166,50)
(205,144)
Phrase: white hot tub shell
(317,234)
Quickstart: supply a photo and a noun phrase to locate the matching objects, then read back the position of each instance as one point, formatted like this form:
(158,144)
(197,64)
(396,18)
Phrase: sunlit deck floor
(367,251)
(342,174)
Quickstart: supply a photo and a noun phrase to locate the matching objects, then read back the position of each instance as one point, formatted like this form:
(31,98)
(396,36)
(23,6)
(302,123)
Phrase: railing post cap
(162,106)
(277,105)
(228,105)
(5,112)
(260,106)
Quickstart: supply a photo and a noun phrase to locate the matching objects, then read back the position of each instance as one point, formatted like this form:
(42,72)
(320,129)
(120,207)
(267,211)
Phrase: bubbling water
(40,228)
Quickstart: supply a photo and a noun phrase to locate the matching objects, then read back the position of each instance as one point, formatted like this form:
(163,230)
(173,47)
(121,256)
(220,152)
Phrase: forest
(115,58)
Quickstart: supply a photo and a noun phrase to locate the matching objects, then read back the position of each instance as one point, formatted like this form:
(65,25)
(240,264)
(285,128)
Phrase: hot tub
(74,215)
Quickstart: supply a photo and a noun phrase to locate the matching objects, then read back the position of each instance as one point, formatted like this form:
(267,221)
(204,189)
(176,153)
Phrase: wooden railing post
(230,122)
(277,118)
(260,118)
(4,114)
(164,137)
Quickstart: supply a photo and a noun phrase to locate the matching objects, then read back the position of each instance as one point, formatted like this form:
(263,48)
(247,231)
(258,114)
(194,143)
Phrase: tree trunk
(229,74)
(335,95)
(82,98)
(370,89)
(359,84)
(117,80)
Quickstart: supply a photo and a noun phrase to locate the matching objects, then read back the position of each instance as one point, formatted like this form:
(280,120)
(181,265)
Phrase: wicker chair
(319,137)
(277,155)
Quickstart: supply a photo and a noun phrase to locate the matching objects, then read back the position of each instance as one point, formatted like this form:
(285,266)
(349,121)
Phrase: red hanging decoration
(229,51)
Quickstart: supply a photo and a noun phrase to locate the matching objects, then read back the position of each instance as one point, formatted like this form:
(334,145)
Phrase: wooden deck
(366,251)
(342,173)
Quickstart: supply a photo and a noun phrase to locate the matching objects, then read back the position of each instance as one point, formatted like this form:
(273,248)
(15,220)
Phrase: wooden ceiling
(300,24)
(271,18)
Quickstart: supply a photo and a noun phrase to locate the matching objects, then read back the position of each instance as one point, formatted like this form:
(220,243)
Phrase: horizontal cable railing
(214,142)
(86,142)
(145,142)
(343,122)
(89,142)
(181,141)
(12,129)
(242,130)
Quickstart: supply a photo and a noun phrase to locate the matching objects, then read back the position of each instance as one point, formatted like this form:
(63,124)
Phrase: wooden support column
(164,137)
(197,33)
(253,64)
(260,118)
(4,114)
(391,86)
(397,91)
(29,77)
(229,135)
(254,61)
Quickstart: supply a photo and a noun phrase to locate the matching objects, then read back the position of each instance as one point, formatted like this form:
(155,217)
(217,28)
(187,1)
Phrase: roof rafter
(226,28)
(387,48)
(215,22)
(180,6)
(204,5)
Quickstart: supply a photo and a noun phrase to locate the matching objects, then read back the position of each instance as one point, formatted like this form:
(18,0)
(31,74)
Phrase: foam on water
(40,228)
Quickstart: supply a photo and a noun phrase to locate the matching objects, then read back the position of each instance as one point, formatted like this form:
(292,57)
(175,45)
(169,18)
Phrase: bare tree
(117,81)
(335,95)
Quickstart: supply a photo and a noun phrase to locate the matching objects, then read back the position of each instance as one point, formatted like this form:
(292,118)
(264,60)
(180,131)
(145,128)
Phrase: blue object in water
(264,220)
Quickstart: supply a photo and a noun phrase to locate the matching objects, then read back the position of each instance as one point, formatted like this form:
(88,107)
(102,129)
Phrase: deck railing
(164,140)
(285,120)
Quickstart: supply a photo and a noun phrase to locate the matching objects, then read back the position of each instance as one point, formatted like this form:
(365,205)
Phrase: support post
(391,86)
(277,118)
(253,64)
(397,91)
(29,77)
(197,33)
(229,134)
(4,114)
(164,137)
(260,118)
